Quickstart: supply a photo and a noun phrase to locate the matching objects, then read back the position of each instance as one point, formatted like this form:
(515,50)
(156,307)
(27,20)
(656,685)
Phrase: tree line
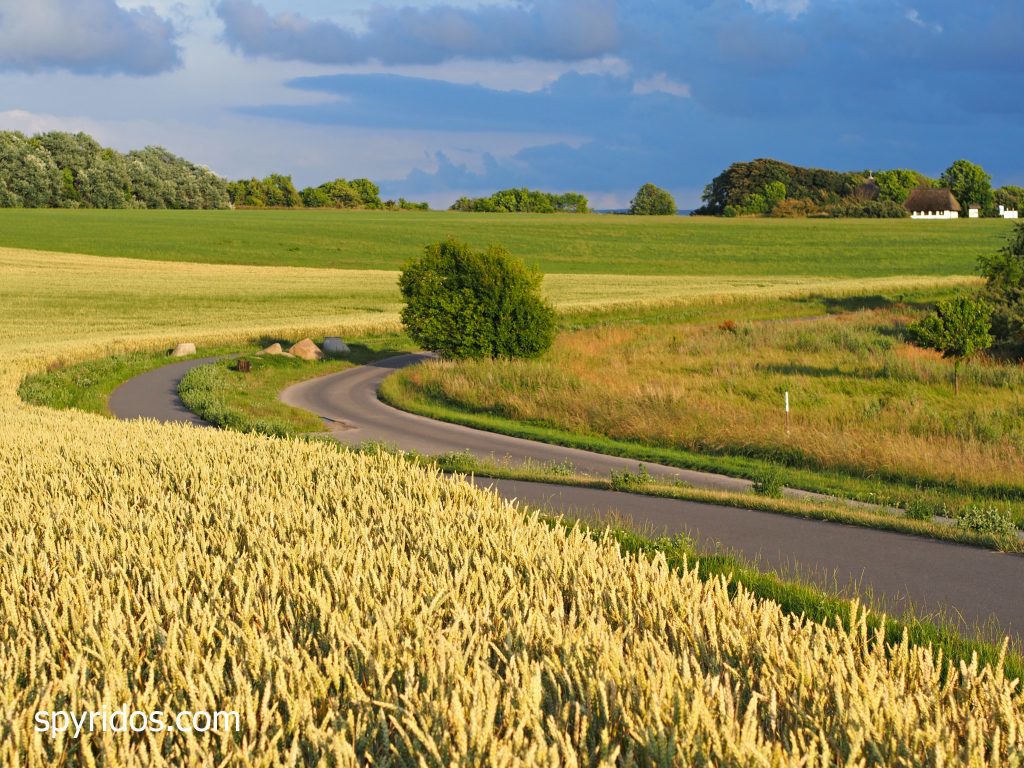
(278,191)
(766,187)
(524,200)
(64,170)
(72,170)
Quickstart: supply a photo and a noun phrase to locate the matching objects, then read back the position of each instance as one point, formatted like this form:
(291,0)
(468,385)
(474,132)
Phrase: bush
(653,201)
(990,520)
(475,304)
(1004,291)
(768,481)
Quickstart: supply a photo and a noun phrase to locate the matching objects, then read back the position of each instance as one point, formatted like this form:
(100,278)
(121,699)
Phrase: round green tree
(463,303)
(970,185)
(958,329)
(653,201)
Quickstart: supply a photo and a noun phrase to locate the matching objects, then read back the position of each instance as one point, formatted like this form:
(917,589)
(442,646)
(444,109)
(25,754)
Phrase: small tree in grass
(958,329)
(653,201)
(463,303)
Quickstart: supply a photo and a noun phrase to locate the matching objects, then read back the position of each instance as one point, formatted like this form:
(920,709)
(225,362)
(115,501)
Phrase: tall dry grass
(862,399)
(356,610)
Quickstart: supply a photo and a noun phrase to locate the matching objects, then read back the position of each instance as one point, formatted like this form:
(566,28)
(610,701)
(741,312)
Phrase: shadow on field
(836,305)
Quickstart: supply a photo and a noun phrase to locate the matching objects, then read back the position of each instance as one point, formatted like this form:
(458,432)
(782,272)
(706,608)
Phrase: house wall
(1007,214)
(936,215)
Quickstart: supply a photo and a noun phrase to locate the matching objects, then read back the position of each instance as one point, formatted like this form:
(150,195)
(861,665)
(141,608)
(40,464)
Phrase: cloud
(791,8)
(552,30)
(85,37)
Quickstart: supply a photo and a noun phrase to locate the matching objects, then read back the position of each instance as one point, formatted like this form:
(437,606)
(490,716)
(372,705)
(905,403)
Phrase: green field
(558,243)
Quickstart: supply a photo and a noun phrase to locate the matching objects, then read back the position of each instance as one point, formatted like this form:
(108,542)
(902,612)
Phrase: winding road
(969,585)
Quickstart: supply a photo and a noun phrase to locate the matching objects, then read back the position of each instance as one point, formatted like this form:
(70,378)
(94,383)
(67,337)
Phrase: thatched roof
(932,200)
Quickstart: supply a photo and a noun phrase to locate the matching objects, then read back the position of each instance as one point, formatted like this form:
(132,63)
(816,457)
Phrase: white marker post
(787,411)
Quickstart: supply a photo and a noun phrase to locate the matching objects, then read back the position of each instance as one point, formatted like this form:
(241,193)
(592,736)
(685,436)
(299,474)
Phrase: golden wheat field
(356,610)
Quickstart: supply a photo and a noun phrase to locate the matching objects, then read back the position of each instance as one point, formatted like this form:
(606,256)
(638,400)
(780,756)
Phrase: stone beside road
(306,350)
(184,350)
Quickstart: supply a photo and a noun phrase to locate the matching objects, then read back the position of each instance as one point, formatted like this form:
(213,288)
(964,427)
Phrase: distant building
(1007,213)
(974,212)
(926,203)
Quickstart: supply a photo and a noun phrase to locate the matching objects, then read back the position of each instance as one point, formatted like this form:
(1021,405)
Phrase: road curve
(969,585)
(154,395)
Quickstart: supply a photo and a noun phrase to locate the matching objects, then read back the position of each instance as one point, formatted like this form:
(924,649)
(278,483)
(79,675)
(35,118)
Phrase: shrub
(1004,291)
(625,480)
(653,201)
(916,509)
(463,303)
(990,520)
(768,481)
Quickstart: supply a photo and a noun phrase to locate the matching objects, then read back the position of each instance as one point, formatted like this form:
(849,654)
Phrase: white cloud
(661,83)
(791,8)
(914,17)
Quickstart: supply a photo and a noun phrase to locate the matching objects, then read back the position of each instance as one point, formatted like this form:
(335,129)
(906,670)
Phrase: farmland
(572,244)
(326,596)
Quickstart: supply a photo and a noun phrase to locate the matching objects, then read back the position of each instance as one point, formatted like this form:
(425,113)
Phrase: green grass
(86,386)
(248,402)
(697,246)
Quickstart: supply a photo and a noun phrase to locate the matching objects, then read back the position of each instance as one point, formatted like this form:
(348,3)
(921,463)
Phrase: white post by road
(787,411)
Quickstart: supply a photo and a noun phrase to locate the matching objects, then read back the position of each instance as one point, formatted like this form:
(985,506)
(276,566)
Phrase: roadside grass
(572,244)
(86,386)
(248,402)
(641,482)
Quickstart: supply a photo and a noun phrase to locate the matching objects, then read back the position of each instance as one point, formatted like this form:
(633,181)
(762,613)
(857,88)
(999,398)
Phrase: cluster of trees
(767,187)
(278,191)
(65,170)
(524,200)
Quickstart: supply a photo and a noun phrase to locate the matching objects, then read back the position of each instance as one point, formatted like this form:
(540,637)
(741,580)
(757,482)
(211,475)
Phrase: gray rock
(333,345)
(184,350)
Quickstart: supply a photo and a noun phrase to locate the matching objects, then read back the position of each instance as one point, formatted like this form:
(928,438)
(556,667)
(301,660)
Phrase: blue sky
(440,99)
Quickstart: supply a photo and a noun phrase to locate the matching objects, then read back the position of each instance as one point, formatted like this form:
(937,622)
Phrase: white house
(974,212)
(926,203)
(1006,213)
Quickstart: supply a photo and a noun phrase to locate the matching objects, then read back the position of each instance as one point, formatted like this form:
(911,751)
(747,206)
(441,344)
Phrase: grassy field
(327,596)
(558,243)
(865,403)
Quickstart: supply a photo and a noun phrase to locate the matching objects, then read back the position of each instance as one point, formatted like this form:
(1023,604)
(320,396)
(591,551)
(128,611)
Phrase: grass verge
(248,402)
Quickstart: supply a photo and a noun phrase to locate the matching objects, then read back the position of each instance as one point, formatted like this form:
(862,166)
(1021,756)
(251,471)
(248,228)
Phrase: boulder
(273,349)
(184,350)
(307,350)
(333,345)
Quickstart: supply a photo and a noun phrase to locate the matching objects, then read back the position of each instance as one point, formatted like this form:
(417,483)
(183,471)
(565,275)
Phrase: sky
(434,100)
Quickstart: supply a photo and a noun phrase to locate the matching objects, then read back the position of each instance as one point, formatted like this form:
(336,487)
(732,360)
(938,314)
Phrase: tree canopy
(523,200)
(1004,291)
(464,303)
(653,201)
(958,329)
(65,170)
(969,184)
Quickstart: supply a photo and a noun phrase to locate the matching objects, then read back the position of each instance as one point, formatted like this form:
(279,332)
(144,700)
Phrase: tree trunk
(956,378)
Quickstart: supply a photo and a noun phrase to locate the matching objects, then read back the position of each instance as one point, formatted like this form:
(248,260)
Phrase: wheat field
(356,610)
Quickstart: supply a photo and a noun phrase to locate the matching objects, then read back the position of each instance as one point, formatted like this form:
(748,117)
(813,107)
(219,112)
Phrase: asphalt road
(968,585)
(154,395)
